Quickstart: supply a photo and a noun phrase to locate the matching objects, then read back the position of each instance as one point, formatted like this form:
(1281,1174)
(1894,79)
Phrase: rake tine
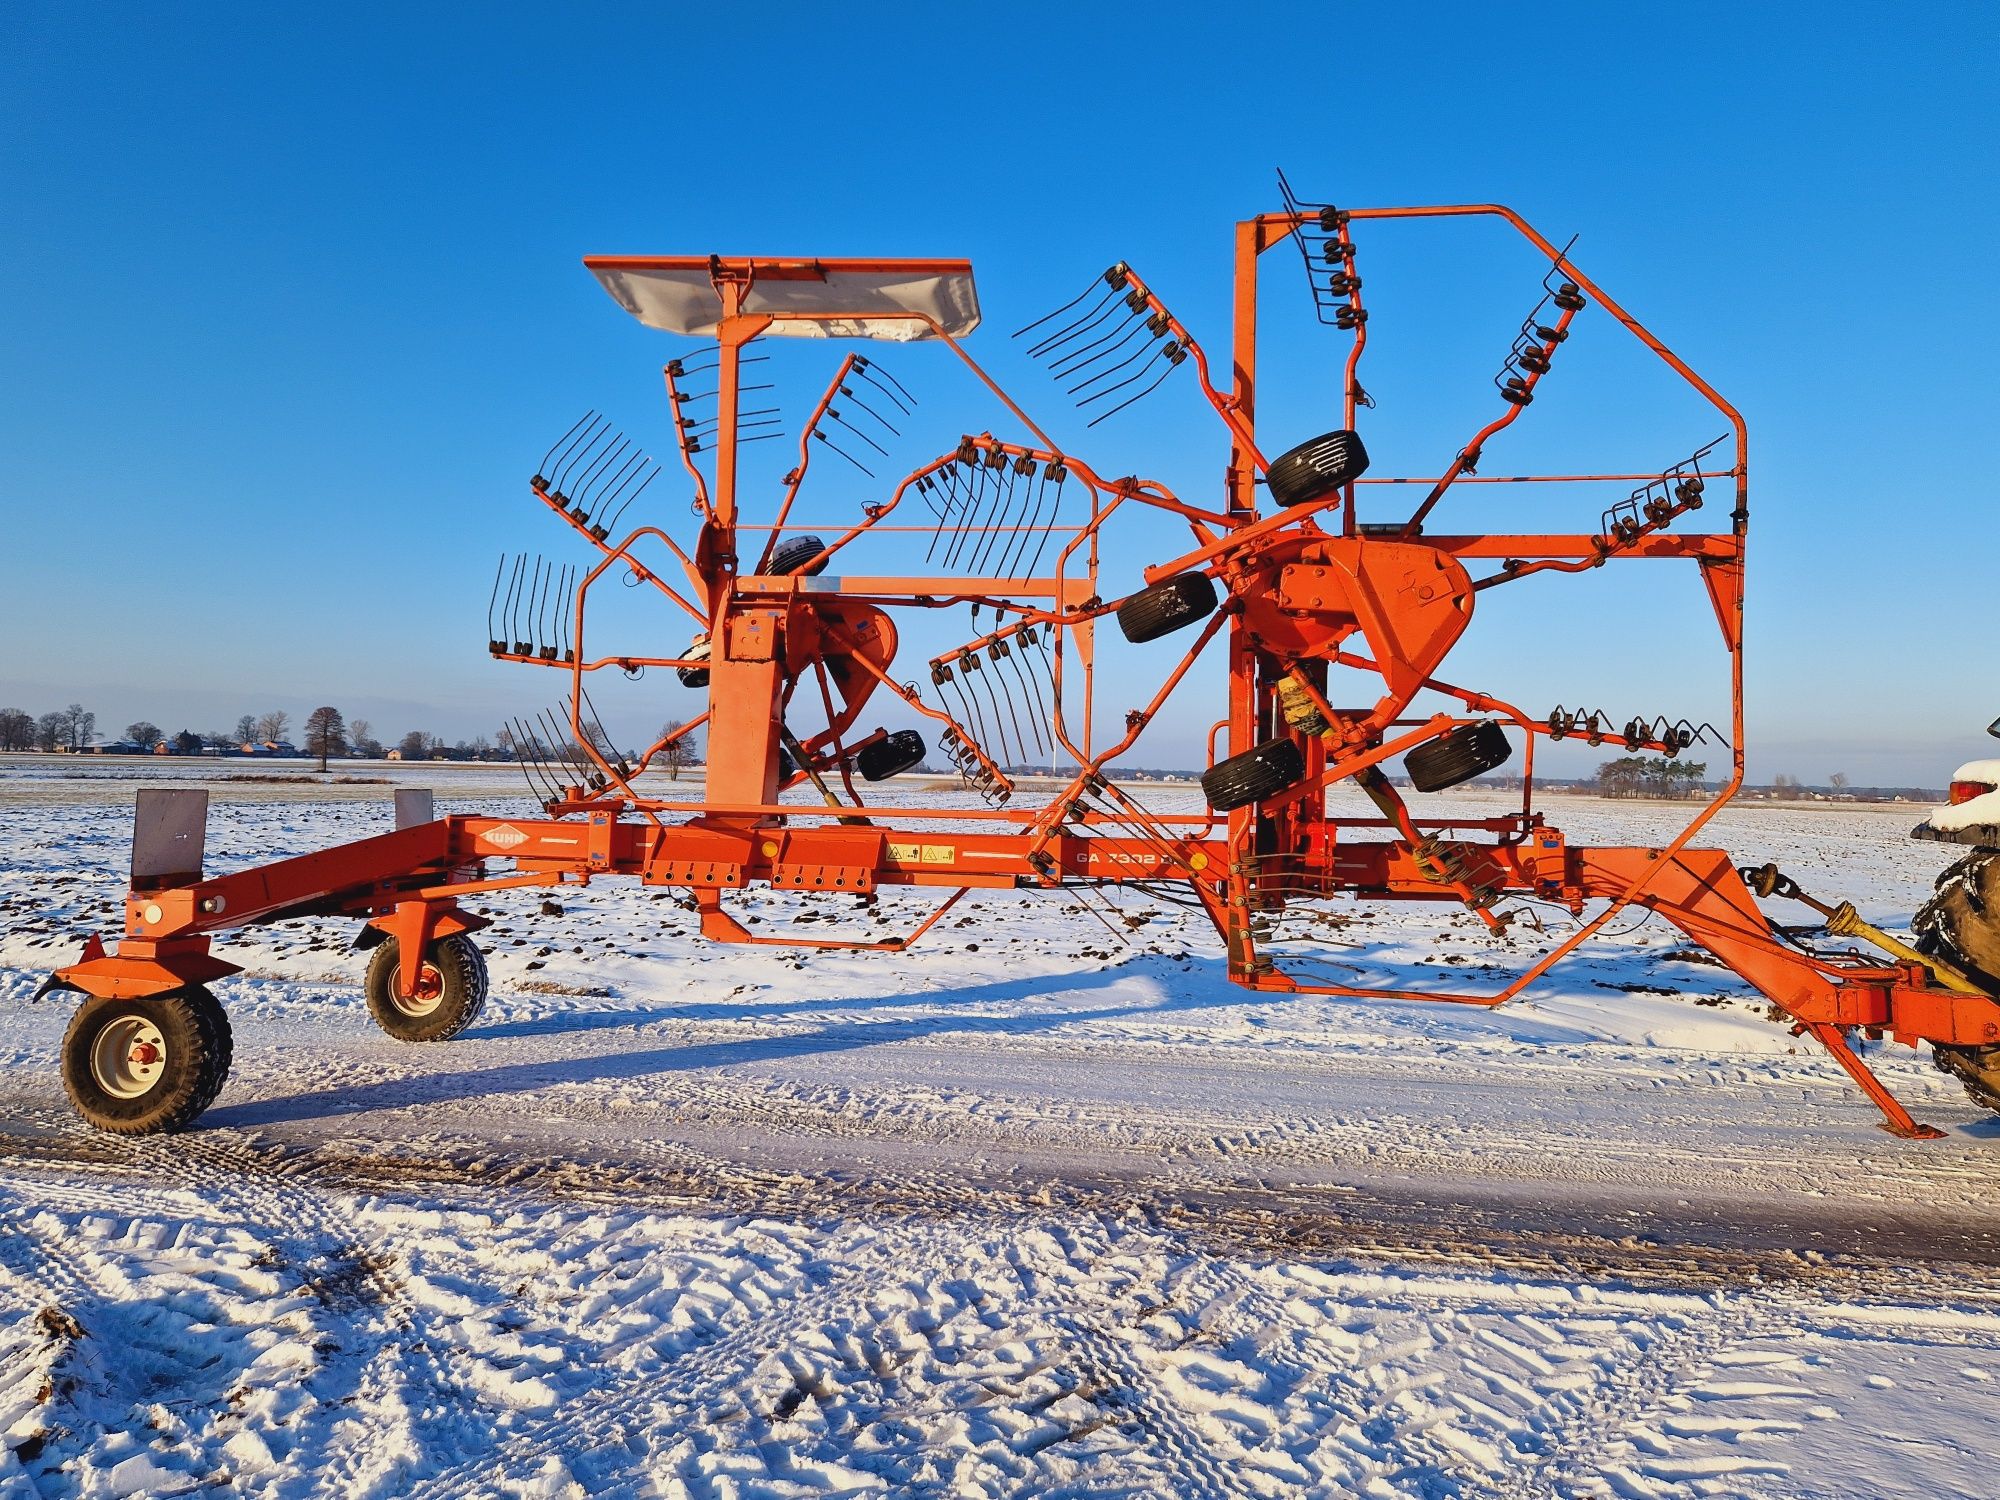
(848,392)
(1076,359)
(513,598)
(968,501)
(615,515)
(591,438)
(1013,568)
(1021,639)
(500,568)
(591,475)
(1079,328)
(992,532)
(1055,513)
(1148,354)
(977,507)
(999,724)
(538,600)
(843,452)
(849,426)
(569,437)
(1082,296)
(611,750)
(1017,542)
(1139,396)
(564,601)
(905,402)
(995,653)
(633,466)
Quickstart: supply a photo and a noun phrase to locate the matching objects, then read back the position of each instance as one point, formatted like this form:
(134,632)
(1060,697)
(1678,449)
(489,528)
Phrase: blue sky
(293,304)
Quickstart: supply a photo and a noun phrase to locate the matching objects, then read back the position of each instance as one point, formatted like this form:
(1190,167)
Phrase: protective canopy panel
(847,299)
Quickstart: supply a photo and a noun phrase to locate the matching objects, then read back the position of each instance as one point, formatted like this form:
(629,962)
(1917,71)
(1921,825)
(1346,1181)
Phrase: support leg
(1895,1119)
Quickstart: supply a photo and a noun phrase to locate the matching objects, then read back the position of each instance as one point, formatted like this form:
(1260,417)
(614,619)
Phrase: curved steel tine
(849,426)
(542,467)
(513,599)
(1055,514)
(1076,359)
(905,402)
(848,392)
(989,525)
(1079,329)
(633,496)
(538,596)
(1137,396)
(591,438)
(1031,516)
(1083,296)
(617,482)
(589,418)
(499,569)
(952,501)
(843,452)
(996,533)
(591,475)
(976,506)
(1150,354)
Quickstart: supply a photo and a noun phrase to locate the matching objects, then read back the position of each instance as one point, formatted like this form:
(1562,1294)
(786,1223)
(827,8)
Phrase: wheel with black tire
(1961,922)
(146,1066)
(1257,773)
(1316,468)
(890,755)
(794,553)
(694,677)
(1457,755)
(450,989)
(1167,606)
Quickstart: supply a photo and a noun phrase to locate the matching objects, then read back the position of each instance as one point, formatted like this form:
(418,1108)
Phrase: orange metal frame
(1304,586)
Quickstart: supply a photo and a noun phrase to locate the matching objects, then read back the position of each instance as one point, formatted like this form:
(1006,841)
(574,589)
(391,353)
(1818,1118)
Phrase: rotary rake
(1329,625)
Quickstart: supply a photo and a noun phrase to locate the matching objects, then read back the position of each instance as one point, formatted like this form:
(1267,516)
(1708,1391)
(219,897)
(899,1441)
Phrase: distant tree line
(1651,776)
(327,734)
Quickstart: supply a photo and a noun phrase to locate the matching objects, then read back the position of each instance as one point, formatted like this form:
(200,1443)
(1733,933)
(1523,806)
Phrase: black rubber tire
(890,755)
(795,552)
(694,677)
(1316,468)
(1961,922)
(1167,606)
(460,974)
(195,1033)
(1457,755)
(1257,773)
(1976,1068)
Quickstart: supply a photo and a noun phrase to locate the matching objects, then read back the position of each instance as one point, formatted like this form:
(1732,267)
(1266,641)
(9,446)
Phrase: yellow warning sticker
(909,853)
(938,854)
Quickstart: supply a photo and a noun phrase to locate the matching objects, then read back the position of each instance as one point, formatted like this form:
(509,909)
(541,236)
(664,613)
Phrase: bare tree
(50,733)
(144,732)
(272,726)
(326,734)
(681,750)
(1838,781)
(414,746)
(17,729)
(359,733)
(187,742)
(79,726)
(246,729)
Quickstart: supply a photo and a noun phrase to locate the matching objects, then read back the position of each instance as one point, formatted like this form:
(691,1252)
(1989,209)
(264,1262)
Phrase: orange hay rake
(1281,576)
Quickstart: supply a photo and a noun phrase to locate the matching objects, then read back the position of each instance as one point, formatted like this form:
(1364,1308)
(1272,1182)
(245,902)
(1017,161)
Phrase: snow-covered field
(1043,1207)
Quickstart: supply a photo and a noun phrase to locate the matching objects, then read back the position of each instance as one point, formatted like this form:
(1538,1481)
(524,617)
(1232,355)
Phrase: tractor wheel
(145,1066)
(1961,921)
(1257,773)
(451,987)
(1457,755)
(901,751)
(1317,468)
(790,556)
(1977,1068)
(1166,607)
(694,677)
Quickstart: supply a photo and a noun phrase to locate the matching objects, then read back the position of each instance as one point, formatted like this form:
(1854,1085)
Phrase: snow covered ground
(1043,1207)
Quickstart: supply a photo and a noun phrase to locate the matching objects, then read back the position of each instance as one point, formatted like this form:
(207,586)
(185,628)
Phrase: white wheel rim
(421,1003)
(129,1057)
